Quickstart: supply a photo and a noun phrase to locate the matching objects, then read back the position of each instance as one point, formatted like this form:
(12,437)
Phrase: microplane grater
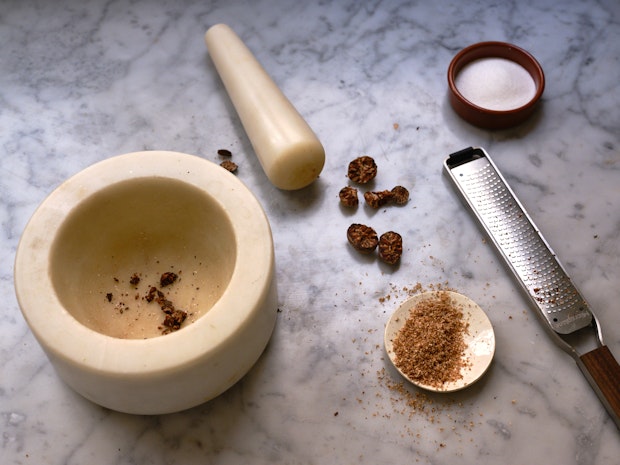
(556,300)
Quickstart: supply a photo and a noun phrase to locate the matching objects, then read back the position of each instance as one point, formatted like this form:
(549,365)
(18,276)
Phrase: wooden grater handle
(603,372)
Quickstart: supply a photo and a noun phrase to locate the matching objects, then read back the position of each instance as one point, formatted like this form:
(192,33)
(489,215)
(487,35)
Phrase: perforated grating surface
(522,245)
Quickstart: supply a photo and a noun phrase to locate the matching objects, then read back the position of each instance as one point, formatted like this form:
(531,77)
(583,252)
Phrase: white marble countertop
(82,81)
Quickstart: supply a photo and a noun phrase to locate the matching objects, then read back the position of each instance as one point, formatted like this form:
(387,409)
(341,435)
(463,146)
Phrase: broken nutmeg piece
(378,199)
(229,165)
(167,278)
(348,196)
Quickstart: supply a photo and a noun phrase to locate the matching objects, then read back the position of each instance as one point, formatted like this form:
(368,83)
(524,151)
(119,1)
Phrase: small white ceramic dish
(147,213)
(480,339)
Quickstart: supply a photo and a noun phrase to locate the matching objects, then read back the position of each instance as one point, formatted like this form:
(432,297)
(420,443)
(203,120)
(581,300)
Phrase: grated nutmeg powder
(430,347)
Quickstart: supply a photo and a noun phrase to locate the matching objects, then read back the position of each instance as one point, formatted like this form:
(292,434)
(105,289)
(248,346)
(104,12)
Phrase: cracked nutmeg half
(400,195)
(363,238)
(362,169)
(390,247)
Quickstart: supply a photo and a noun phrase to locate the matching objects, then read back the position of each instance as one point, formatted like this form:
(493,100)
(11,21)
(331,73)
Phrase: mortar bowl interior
(148,275)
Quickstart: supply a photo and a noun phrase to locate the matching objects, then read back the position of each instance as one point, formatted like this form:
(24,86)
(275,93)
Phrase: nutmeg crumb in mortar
(150,296)
(167,278)
(135,279)
(173,317)
(173,320)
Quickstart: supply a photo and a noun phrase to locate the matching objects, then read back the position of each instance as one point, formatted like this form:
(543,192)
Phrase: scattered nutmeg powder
(430,346)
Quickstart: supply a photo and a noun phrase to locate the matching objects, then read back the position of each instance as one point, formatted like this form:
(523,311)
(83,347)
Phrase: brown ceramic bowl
(484,117)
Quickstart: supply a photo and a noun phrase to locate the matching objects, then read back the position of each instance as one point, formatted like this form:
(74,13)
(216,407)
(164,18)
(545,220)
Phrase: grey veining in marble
(84,80)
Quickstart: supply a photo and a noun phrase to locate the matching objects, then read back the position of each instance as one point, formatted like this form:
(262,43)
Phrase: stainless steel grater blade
(560,306)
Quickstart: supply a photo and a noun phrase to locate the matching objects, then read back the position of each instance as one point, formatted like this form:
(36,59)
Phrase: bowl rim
(484,50)
(63,336)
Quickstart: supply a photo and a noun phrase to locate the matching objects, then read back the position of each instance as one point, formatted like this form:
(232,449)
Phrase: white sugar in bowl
(149,281)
